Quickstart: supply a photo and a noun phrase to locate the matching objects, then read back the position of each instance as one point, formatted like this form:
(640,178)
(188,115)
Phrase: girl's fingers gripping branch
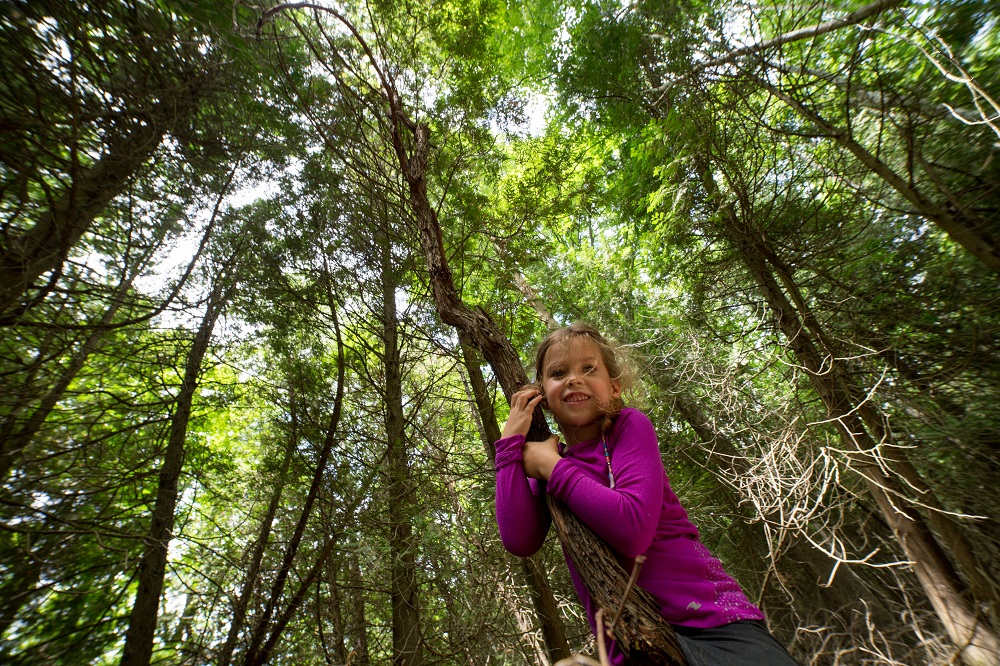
(522,406)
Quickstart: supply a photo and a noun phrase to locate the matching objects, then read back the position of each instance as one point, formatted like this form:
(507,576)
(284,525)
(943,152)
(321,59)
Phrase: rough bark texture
(646,636)
(481,330)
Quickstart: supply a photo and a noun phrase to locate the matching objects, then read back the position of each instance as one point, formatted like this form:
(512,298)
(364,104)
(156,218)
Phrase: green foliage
(615,214)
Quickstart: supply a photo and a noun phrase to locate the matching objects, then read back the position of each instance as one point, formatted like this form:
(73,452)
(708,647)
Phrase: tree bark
(45,246)
(546,609)
(406,638)
(263,535)
(642,632)
(152,567)
(359,622)
(477,324)
(961,225)
(262,643)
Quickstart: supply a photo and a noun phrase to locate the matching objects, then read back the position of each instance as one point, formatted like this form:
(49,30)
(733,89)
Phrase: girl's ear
(538,387)
(616,388)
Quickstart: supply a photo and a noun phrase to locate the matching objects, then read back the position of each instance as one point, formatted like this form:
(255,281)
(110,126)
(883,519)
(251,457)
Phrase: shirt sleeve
(625,516)
(522,516)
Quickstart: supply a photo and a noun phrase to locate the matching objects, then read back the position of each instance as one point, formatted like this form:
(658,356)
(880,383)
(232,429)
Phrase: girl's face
(578,388)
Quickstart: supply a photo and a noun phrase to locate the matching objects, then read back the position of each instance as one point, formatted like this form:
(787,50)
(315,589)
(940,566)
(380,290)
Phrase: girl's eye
(589,368)
(556,373)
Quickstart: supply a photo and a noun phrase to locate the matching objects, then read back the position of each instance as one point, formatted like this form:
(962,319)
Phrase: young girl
(609,472)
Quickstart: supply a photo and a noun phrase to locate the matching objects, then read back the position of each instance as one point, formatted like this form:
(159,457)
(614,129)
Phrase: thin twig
(602,650)
(628,589)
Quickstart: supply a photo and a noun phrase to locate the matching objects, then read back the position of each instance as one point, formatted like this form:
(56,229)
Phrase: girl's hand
(522,406)
(541,457)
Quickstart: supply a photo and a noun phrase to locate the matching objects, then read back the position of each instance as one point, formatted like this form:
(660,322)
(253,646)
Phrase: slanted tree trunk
(358,625)
(260,649)
(241,603)
(491,341)
(546,609)
(976,641)
(45,246)
(642,633)
(262,642)
(152,567)
(962,225)
(335,608)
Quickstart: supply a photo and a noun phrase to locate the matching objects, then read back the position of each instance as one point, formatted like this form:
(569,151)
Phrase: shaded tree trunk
(403,589)
(152,567)
(642,633)
(263,535)
(546,609)
(45,246)
(961,224)
(263,643)
(358,631)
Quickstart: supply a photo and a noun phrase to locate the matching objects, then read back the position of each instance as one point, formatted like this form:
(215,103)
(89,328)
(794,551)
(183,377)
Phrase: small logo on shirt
(694,605)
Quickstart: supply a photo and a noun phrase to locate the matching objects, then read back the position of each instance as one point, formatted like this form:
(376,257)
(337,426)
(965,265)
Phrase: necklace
(607,457)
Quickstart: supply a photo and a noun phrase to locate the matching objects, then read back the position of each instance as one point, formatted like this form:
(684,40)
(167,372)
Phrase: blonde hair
(614,360)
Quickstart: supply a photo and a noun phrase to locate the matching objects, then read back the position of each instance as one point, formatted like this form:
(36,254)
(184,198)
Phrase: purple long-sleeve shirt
(640,515)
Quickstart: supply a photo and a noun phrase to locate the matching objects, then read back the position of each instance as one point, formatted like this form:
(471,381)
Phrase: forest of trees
(263,270)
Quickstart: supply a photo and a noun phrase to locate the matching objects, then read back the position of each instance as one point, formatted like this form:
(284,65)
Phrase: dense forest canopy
(269,273)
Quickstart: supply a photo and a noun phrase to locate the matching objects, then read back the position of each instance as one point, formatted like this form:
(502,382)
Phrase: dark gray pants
(744,643)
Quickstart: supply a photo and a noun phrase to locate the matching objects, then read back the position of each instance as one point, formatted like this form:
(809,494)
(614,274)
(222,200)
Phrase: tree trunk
(262,644)
(546,609)
(263,535)
(962,225)
(406,638)
(336,610)
(45,246)
(152,567)
(603,576)
(15,439)
(358,621)
(482,331)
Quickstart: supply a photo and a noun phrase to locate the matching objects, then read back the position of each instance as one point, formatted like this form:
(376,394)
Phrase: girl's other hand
(522,406)
(541,457)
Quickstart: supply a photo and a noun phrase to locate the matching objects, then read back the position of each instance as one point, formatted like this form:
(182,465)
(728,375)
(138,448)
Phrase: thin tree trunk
(45,246)
(359,622)
(546,609)
(152,567)
(961,225)
(495,347)
(406,638)
(336,610)
(260,650)
(13,443)
(846,589)
(263,535)
(262,644)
